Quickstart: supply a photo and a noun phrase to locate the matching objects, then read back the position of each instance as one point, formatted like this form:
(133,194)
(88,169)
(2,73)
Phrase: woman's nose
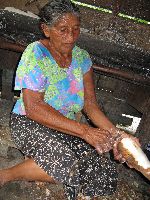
(70,36)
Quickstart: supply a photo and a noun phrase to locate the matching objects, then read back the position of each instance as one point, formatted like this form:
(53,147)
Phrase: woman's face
(64,33)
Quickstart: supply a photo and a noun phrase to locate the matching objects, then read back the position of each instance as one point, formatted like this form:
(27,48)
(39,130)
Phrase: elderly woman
(55,79)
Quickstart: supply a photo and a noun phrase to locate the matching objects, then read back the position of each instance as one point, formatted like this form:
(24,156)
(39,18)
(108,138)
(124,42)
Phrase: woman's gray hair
(54,9)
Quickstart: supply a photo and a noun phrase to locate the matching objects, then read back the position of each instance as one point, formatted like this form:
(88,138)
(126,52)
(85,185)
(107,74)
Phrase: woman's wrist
(117,134)
(85,131)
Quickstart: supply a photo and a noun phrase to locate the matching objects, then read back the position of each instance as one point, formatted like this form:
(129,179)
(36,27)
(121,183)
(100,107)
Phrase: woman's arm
(91,107)
(93,111)
(38,110)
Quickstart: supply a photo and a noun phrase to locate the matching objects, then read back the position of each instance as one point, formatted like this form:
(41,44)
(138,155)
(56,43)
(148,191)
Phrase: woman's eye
(76,28)
(63,30)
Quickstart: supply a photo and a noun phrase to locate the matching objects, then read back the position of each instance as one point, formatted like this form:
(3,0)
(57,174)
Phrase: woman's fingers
(117,155)
(100,139)
(99,149)
(103,148)
(103,144)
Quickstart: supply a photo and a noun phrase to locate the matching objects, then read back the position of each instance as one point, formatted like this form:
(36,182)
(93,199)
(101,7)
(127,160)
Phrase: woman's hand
(101,139)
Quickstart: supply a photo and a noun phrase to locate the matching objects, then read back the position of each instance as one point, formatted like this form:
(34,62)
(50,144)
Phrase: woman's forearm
(38,110)
(51,118)
(91,107)
(98,117)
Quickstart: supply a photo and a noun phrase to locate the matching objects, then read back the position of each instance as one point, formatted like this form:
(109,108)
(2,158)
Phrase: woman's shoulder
(36,49)
(36,45)
(31,46)
(78,52)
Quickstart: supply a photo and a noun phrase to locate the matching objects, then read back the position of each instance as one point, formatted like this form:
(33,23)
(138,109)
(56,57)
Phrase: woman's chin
(67,48)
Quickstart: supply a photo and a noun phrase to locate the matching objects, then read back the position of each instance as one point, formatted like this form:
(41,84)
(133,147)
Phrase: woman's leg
(27,170)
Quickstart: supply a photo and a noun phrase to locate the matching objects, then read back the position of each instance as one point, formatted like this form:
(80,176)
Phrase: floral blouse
(63,87)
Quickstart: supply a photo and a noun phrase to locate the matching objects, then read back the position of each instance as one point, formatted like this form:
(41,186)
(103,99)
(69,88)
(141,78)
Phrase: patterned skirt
(68,159)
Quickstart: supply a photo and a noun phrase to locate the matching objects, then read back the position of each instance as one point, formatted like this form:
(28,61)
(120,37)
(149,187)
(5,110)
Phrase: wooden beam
(122,74)
(9,45)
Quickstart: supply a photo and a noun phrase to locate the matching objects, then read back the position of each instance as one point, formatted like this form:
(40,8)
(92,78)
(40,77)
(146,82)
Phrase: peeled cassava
(134,156)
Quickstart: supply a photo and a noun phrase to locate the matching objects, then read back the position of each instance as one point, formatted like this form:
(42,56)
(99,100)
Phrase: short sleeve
(87,62)
(29,74)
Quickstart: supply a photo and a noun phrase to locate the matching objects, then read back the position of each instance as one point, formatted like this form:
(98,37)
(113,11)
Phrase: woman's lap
(68,159)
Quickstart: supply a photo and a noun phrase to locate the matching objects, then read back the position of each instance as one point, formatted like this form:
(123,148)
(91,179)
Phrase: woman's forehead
(67,19)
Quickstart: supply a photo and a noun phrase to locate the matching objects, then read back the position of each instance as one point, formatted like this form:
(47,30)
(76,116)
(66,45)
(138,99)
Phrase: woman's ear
(45,30)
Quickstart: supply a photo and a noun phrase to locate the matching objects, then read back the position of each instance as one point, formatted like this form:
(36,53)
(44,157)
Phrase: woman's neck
(62,59)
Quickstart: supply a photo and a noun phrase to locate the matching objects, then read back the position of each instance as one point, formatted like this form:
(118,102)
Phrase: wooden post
(9,61)
(143,130)
(7,77)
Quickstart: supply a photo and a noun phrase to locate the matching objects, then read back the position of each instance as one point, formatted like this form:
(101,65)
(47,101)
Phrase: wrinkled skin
(61,38)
